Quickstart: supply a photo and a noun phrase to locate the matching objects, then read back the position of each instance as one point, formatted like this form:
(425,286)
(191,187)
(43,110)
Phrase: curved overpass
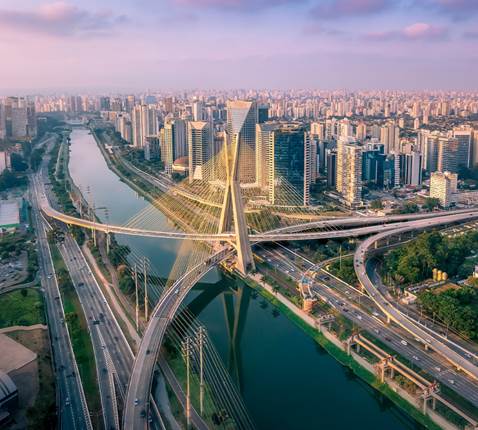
(136,408)
(360,265)
(287,233)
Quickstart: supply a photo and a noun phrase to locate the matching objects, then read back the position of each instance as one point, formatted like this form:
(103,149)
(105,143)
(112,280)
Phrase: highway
(362,311)
(136,415)
(113,355)
(71,402)
(254,238)
(427,337)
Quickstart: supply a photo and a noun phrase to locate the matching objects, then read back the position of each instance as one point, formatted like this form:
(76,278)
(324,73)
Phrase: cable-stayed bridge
(228,230)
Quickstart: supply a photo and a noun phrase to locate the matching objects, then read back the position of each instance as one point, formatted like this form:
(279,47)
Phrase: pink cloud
(417,31)
(59,19)
(235,5)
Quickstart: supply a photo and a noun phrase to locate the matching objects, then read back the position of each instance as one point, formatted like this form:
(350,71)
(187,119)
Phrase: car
(416,358)
(359,317)
(67,401)
(438,369)
(404,342)
(136,402)
(451,381)
(375,314)
(81,284)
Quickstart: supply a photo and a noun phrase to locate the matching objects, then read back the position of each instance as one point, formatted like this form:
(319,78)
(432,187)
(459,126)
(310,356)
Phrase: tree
(18,163)
(376,204)
(431,203)
(9,180)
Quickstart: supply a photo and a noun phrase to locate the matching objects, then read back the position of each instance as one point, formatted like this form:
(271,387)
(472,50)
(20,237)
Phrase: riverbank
(356,363)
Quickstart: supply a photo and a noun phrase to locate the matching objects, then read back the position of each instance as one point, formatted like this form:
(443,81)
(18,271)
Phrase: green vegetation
(317,250)
(18,163)
(10,180)
(61,189)
(78,329)
(415,261)
(407,208)
(21,307)
(344,270)
(376,204)
(457,309)
(431,203)
(36,158)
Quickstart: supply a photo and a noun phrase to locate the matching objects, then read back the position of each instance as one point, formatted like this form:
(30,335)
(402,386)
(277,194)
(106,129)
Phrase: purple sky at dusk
(127,45)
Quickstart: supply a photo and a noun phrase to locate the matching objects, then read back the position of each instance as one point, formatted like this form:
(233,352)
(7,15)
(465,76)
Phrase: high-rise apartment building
(241,130)
(144,123)
(442,186)
(390,137)
(349,171)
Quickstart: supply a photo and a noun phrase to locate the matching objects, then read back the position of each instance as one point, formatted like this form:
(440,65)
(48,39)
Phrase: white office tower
(464,137)
(144,121)
(123,127)
(390,137)
(136,127)
(200,145)
(198,111)
(349,171)
(413,169)
(241,130)
(173,142)
(149,121)
(442,186)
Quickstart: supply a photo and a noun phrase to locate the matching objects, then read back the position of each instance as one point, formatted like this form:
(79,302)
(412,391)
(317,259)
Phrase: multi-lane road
(457,356)
(137,411)
(71,402)
(369,317)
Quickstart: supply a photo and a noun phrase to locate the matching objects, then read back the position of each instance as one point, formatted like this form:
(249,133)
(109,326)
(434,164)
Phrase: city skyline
(174,44)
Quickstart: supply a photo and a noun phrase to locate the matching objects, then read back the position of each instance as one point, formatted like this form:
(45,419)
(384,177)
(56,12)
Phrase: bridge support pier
(232,212)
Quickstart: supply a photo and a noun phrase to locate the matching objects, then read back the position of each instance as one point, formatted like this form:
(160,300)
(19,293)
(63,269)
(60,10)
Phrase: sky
(135,45)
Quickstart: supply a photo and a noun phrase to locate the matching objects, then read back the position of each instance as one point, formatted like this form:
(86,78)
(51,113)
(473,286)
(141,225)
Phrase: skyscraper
(448,150)
(464,137)
(241,130)
(349,171)
(200,146)
(144,123)
(390,137)
(289,166)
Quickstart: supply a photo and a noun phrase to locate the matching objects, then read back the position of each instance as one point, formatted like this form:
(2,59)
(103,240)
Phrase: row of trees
(457,309)
(415,261)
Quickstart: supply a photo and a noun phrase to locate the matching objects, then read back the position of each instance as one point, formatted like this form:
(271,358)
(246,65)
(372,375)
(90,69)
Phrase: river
(288,382)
